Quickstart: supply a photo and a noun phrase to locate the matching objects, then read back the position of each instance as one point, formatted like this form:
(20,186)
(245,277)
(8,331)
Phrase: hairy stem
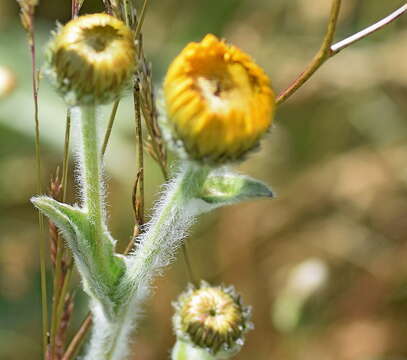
(173,216)
(95,255)
(185,351)
(91,172)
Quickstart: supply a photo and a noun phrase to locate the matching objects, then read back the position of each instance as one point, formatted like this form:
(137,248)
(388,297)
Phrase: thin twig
(27,20)
(140,148)
(138,215)
(62,297)
(76,7)
(329,50)
(66,315)
(336,48)
(78,339)
(60,278)
(188,265)
(322,55)
(110,126)
(140,20)
(148,108)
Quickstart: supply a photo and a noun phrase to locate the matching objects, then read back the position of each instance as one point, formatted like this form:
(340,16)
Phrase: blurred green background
(323,265)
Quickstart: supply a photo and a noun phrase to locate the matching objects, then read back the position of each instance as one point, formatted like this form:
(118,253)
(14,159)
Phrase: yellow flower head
(92,58)
(219,101)
(212,318)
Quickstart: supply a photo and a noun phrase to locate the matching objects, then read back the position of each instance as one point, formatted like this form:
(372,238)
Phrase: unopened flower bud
(218,101)
(213,319)
(92,59)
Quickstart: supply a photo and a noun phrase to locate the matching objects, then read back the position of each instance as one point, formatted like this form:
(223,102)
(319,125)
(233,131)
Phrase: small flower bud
(212,318)
(218,100)
(92,59)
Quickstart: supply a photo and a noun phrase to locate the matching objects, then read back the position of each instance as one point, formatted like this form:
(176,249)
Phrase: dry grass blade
(27,8)
(61,267)
(155,141)
(27,12)
(139,184)
(110,126)
(78,339)
(55,190)
(63,326)
(76,7)
(135,199)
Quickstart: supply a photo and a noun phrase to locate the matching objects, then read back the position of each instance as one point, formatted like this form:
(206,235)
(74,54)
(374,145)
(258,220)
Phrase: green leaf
(230,188)
(77,231)
(68,219)
(71,221)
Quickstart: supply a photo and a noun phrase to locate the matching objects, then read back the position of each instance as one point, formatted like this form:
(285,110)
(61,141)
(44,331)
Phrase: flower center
(227,89)
(98,38)
(213,309)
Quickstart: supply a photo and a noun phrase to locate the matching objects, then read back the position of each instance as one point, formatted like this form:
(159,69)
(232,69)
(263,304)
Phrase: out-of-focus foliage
(323,264)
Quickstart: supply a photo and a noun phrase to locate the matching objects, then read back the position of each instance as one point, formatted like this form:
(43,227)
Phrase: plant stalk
(185,351)
(156,248)
(96,248)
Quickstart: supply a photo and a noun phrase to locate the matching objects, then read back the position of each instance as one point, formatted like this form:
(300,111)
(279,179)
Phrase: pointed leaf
(67,218)
(231,188)
(77,231)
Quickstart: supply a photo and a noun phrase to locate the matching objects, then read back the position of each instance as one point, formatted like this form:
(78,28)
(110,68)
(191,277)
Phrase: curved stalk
(329,49)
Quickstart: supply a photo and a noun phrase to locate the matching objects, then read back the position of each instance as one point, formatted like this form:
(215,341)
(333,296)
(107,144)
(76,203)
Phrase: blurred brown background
(323,265)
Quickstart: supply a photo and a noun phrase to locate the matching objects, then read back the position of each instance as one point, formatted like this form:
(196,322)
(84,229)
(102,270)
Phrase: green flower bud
(92,59)
(212,318)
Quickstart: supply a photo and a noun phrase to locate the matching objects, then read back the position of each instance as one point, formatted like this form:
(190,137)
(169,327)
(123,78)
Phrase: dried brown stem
(140,148)
(66,315)
(110,125)
(60,267)
(78,339)
(27,12)
(156,144)
(339,46)
(322,55)
(54,192)
(329,50)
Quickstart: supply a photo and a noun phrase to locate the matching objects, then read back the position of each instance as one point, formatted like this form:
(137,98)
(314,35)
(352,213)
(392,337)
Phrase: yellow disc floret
(92,58)
(219,102)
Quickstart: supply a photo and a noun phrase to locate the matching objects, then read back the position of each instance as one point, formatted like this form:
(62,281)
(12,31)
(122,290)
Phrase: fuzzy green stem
(165,232)
(104,267)
(185,351)
(173,209)
(91,182)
